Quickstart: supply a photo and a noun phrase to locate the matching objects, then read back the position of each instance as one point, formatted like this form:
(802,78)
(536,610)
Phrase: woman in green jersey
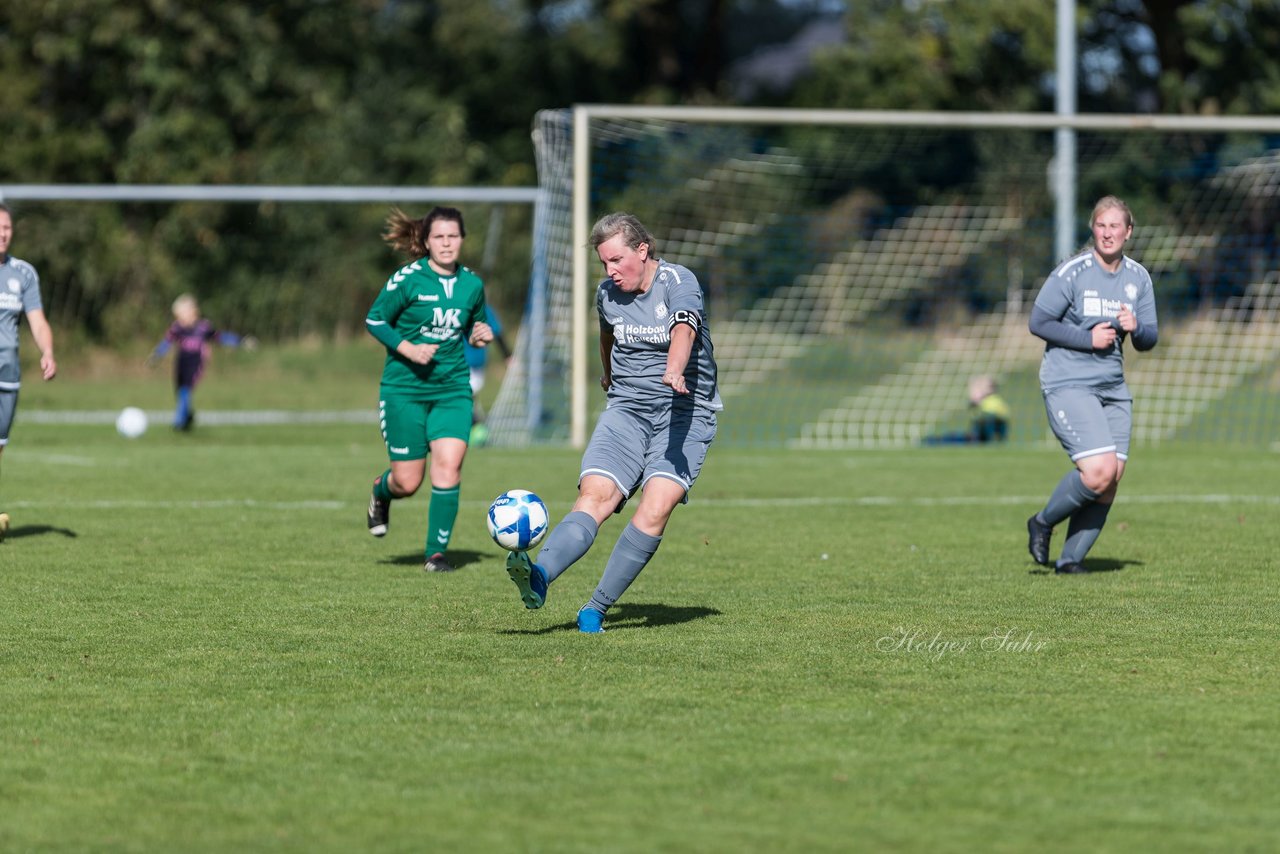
(424,313)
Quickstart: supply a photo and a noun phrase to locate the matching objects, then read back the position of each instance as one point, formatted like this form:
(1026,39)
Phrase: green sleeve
(479,311)
(386,309)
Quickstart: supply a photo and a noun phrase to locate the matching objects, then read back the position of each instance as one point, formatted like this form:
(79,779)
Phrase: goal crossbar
(262,193)
(933,118)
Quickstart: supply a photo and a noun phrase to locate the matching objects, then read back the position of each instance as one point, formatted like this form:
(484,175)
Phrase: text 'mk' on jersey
(420,306)
(1082,294)
(19,293)
(641,326)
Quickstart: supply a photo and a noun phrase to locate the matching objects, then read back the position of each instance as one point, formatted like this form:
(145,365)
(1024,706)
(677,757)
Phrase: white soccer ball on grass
(131,422)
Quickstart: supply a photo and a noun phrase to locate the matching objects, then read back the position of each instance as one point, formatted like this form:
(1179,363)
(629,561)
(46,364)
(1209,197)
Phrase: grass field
(203,650)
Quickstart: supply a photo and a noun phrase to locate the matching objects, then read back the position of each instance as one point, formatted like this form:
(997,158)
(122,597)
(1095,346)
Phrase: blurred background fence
(858,275)
(286,262)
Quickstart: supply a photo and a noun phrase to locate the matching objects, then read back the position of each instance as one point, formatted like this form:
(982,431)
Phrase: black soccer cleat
(1038,534)
(437,563)
(1071,568)
(379,515)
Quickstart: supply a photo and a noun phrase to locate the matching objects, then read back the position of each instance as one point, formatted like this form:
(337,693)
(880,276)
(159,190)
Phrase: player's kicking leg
(529,579)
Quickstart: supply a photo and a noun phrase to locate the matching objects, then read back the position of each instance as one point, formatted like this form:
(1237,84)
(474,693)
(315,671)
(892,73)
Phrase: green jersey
(420,306)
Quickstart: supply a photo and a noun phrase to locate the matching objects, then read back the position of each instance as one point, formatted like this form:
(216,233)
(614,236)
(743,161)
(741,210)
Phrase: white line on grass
(225,418)
(973,500)
(965,500)
(64,459)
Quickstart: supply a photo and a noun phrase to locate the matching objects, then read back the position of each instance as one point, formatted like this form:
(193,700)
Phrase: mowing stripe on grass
(864,501)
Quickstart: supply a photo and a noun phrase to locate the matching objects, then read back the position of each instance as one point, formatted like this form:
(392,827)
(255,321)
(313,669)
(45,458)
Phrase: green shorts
(410,426)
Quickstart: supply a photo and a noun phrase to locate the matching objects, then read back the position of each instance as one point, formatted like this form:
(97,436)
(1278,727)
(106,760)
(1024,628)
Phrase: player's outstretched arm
(43,335)
(235,339)
(678,353)
(154,357)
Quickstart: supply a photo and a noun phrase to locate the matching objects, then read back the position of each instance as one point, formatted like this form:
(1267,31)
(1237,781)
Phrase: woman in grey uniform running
(19,295)
(1084,312)
(660,376)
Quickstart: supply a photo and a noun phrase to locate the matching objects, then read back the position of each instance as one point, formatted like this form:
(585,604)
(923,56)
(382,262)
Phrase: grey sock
(1068,496)
(1082,533)
(630,554)
(566,543)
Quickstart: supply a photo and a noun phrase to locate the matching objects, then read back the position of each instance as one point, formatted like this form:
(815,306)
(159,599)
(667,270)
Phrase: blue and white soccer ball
(518,520)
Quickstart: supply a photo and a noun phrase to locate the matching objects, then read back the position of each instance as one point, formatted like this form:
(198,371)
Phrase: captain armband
(689,318)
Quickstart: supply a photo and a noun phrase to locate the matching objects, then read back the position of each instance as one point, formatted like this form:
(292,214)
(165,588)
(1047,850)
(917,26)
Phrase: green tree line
(404,93)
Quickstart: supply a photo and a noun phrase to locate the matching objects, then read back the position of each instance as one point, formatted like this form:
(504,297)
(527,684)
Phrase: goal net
(858,274)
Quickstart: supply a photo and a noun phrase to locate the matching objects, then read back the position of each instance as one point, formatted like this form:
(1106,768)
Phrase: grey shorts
(1089,421)
(630,446)
(8,405)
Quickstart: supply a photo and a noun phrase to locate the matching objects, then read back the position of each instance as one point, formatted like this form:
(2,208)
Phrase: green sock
(380,490)
(440,518)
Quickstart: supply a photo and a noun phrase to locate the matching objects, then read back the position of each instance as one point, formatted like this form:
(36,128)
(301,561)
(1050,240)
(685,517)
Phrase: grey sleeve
(604,322)
(1044,325)
(1145,336)
(1148,331)
(31,289)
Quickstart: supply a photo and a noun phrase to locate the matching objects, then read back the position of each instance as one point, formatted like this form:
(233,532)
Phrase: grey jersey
(641,326)
(1079,295)
(19,293)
